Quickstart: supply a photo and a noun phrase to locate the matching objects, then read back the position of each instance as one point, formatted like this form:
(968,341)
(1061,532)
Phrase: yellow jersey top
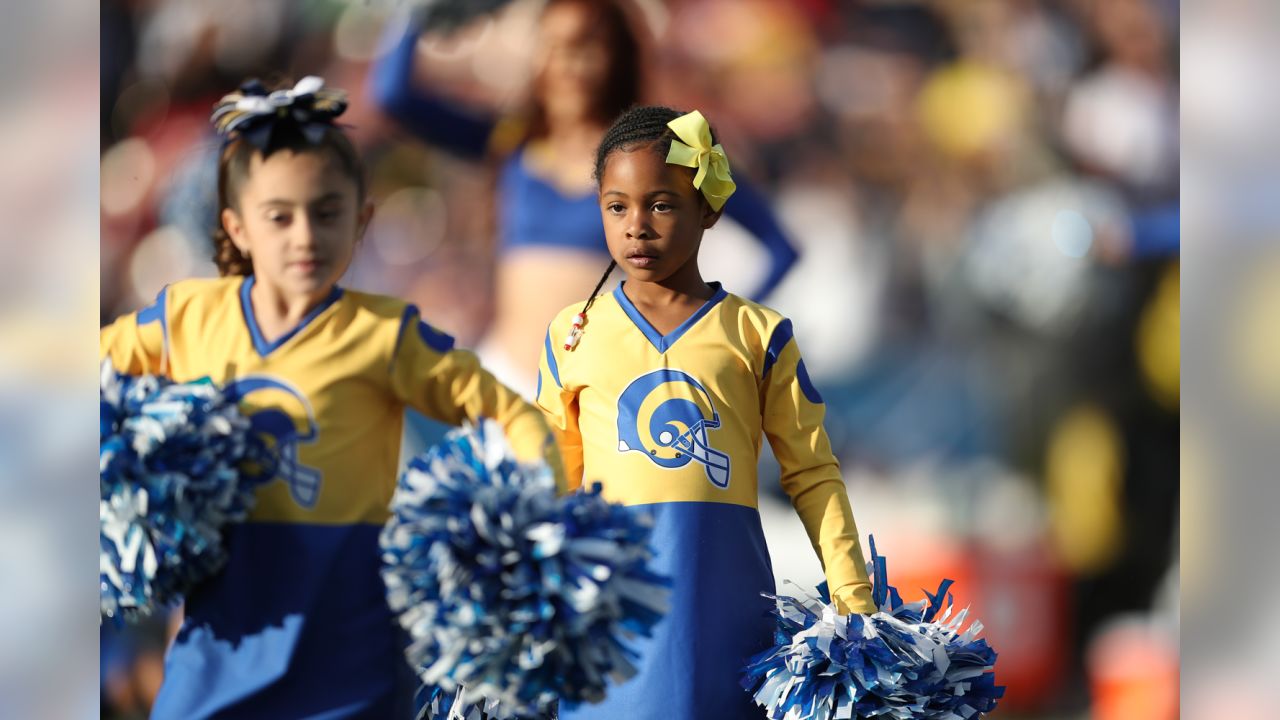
(675,422)
(297,622)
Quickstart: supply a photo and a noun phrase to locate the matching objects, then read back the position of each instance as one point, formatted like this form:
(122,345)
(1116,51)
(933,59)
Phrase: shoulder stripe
(806,385)
(551,362)
(409,311)
(155,312)
(781,336)
(441,342)
(434,339)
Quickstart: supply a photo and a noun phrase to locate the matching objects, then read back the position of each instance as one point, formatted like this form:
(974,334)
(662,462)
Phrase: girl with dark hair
(662,391)
(297,624)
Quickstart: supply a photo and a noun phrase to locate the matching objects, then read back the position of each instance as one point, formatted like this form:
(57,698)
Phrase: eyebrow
(662,191)
(282,201)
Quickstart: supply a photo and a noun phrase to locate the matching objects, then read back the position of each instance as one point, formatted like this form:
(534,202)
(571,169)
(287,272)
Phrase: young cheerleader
(661,391)
(296,624)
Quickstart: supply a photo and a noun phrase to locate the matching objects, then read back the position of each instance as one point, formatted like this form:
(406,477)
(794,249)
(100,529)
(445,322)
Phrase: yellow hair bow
(713,177)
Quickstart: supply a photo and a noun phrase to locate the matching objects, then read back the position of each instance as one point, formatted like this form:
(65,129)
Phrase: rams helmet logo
(666,414)
(281,412)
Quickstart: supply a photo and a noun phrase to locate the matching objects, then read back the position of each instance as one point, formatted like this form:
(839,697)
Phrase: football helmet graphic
(265,399)
(666,414)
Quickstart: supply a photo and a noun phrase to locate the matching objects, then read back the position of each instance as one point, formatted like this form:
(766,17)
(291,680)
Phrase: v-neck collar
(260,343)
(659,341)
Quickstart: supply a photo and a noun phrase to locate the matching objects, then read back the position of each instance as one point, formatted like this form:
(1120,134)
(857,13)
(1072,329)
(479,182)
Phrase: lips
(309,265)
(641,258)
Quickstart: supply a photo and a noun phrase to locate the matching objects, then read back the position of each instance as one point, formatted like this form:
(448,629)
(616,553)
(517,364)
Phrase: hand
(853,598)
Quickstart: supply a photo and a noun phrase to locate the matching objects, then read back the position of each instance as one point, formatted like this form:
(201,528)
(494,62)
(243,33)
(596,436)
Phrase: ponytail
(227,256)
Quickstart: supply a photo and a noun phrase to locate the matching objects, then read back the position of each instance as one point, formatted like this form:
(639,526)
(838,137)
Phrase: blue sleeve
(751,210)
(431,118)
(1156,231)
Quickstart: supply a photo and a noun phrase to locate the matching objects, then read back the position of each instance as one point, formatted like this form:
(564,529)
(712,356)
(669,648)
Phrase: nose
(577,65)
(303,235)
(638,227)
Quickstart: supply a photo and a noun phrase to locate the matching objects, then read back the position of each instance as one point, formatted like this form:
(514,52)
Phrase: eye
(615,207)
(328,215)
(278,217)
(662,207)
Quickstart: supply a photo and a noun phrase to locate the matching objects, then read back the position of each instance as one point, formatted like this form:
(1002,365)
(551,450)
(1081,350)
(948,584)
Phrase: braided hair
(642,126)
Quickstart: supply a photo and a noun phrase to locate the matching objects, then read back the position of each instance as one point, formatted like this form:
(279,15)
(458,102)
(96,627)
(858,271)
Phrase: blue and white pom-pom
(437,704)
(177,461)
(904,661)
(509,592)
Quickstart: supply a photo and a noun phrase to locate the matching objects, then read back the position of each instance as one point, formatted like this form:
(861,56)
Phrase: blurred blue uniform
(532,211)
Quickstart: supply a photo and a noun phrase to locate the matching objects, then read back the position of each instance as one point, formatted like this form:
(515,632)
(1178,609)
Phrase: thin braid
(607,272)
(575,332)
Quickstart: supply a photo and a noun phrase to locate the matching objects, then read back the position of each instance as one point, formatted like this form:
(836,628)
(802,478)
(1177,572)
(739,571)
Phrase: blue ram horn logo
(264,400)
(666,414)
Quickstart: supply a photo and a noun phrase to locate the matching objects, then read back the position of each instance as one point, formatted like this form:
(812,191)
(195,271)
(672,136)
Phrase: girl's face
(572,60)
(653,216)
(298,219)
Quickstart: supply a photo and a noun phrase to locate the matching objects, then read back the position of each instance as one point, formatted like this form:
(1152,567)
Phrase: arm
(751,210)
(449,385)
(135,343)
(561,409)
(429,117)
(793,413)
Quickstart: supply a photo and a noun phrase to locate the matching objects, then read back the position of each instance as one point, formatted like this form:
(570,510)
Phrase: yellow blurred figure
(1083,478)
(1158,340)
(969,107)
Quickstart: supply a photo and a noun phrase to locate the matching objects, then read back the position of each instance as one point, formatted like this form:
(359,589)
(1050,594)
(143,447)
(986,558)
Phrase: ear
(234,226)
(366,214)
(709,216)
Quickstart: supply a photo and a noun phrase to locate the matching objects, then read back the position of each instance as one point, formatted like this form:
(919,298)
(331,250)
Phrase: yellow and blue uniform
(297,625)
(674,423)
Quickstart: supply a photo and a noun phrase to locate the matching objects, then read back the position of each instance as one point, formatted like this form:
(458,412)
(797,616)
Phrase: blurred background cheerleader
(544,226)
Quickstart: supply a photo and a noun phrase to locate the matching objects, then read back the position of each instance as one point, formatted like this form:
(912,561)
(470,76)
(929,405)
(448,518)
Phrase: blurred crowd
(984,195)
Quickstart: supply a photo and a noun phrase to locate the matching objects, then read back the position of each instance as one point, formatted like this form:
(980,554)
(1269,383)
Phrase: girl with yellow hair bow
(662,391)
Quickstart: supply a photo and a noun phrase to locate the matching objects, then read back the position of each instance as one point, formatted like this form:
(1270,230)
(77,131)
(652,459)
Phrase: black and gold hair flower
(255,114)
